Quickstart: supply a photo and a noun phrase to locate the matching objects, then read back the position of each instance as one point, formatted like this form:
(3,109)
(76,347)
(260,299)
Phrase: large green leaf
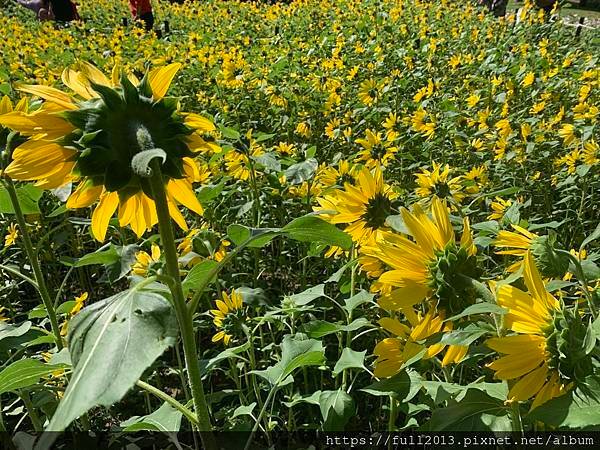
(314,229)
(28,196)
(403,386)
(321,328)
(111,343)
(25,373)
(8,330)
(476,411)
(296,351)
(350,359)
(337,408)
(576,409)
(252,237)
(200,274)
(302,171)
(307,296)
(350,304)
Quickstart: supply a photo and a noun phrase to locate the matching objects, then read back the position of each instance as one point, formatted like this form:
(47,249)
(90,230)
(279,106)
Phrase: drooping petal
(85,194)
(49,94)
(103,213)
(160,79)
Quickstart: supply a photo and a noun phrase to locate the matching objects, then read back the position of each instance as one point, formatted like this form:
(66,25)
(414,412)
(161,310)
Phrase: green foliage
(121,335)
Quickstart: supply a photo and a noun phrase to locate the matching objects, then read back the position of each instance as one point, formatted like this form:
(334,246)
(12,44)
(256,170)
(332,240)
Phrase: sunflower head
(566,344)
(229,317)
(96,136)
(108,134)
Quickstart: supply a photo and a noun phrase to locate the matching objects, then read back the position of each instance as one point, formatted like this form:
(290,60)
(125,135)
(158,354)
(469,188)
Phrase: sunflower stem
(33,260)
(515,417)
(184,317)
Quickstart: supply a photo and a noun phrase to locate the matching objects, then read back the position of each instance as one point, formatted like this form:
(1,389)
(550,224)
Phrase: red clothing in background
(139,7)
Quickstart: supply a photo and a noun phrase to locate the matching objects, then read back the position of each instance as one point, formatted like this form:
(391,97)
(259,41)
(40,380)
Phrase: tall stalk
(32,254)
(184,317)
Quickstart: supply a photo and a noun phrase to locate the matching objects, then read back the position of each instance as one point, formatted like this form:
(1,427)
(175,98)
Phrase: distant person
(59,10)
(142,10)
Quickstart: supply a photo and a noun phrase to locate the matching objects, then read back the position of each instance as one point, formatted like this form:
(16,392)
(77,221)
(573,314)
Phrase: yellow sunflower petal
(160,79)
(103,213)
(50,94)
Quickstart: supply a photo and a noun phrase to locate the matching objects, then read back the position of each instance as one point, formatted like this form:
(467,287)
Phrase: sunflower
(144,262)
(363,207)
(499,207)
(432,263)
(12,235)
(369,92)
(228,317)
(331,176)
(392,353)
(92,136)
(376,150)
(546,357)
(437,182)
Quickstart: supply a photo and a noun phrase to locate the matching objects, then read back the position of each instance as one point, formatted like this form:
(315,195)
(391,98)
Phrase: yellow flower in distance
(92,136)
(439,183)
(499,207)
(145,261)
(377,151)
(228,316)
(12,235)
(364,207)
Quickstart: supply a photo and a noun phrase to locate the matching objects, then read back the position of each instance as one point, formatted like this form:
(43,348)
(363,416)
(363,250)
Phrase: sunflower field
(320,216)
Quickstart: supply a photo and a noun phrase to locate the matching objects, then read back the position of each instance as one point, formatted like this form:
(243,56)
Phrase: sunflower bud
(567,342)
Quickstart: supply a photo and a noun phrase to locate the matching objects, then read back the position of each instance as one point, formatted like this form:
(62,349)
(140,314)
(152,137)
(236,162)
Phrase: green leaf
(402,386)
(312,399)
(165,419)
(268,161)
(209,192)
(233,352)
(358,299)
(104,257)
(479,308)
(229,133)
(243,410)
(476,411)
(28,196)
(313,229)
(337,408)
(302,171)
(199,274)
(397,224)
(350,359)
(296,352)
(321,328)
(252,237)
(25,373)
(592,237)
(307,296)
(8,330)
(464,336)
(576,409)
(111,343)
